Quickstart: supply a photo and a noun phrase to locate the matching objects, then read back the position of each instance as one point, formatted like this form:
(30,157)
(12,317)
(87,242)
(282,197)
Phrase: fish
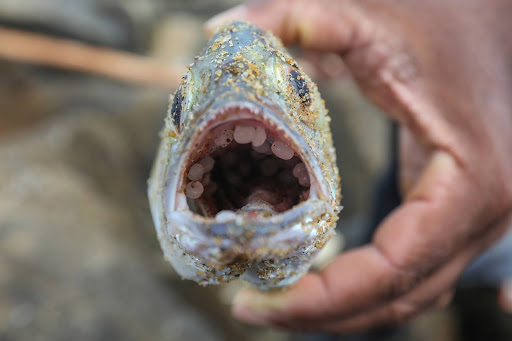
(245,183)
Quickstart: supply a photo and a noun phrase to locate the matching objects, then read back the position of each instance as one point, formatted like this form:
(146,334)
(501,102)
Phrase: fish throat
(244,163)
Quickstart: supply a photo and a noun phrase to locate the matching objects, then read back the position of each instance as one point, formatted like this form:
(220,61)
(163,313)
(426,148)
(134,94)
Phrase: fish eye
(298,81)
(176,108)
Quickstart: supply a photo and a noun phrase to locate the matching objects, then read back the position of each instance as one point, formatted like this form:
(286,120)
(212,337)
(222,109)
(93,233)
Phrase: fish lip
(207,117)
(241,224)
(286,234)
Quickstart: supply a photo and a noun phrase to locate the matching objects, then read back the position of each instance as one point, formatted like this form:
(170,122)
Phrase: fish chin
(259,209)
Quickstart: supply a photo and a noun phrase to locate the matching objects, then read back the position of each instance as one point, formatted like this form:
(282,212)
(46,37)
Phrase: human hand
(442,70)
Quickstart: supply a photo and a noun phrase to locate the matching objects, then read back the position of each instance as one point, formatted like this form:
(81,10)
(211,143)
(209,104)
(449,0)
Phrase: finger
(393,314)
(308,23)
(322,295)
(433,292)
(444,300)
(367,277)
(310,306)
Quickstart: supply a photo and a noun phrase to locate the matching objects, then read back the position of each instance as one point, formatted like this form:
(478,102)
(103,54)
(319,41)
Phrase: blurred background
(84,89)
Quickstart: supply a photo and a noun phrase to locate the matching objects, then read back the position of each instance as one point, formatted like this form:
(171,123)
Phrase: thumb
(303,22)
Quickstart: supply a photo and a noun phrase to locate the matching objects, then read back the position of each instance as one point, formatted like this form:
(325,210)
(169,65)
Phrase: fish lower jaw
(243,162)
(268,253)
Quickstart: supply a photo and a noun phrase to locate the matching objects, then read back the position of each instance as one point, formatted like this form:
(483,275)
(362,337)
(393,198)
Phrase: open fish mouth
(244,161)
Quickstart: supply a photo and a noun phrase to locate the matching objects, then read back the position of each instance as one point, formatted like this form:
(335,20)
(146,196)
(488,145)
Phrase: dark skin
(443,70)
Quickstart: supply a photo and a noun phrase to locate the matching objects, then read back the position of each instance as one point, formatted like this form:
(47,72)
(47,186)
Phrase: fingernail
(234,13)
(257,308)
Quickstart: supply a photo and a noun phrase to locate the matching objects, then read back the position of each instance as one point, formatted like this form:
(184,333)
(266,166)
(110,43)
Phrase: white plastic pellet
(225,137)
(260,137)
(282,151)
(196,172)
(206,179)
(244,134)
(299,170)
(194,190)
(208,162)
(224,216)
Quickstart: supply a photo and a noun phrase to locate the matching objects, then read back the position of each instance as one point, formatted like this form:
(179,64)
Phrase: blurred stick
(39,49)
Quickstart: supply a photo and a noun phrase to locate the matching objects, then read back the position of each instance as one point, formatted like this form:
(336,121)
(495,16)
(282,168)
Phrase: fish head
(245,182)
